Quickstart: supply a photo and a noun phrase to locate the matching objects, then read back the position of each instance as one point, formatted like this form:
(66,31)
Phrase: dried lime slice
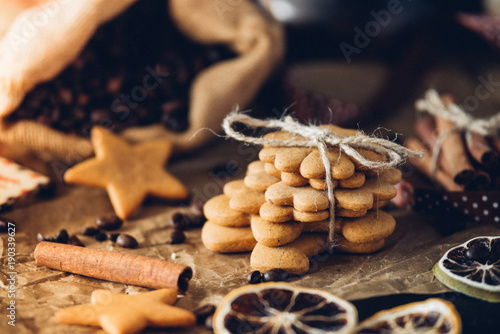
(472,268)
(278,308)
(432,316)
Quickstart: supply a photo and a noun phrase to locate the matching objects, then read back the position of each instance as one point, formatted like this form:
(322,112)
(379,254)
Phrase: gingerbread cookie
(257,179)
(119,313)
(355,181)
(128,172)
(285,159)
(301,198)
(242,198)
(282,213)
(346,246)
(293,257)
(223,239)
(218,211)
(312,166)
(373,227)
(272,234)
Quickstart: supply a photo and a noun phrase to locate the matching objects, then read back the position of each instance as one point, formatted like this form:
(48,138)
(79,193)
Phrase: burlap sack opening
(240,25)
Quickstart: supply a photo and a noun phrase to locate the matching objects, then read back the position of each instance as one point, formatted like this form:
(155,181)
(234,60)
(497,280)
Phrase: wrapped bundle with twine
(61,29)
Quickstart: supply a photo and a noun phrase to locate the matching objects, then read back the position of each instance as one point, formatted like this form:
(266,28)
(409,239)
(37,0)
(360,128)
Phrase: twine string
(314,136)
(463,122)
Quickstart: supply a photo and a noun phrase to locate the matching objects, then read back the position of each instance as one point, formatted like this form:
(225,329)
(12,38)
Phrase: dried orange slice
(472,268)
(278,308)
(431,316)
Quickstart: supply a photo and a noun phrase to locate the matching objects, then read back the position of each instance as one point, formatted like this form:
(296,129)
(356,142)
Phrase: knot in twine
(314,136)
(463,122)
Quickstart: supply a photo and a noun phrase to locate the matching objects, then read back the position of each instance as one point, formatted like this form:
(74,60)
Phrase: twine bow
(314,136)
(434,105)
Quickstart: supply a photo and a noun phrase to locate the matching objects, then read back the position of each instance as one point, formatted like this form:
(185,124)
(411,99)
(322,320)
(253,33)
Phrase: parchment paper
(402,266)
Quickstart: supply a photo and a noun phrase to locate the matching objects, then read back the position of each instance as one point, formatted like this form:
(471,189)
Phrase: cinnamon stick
(113,266)
(481,151)
(454,155)
(481,181)
(425,127)
(424,165)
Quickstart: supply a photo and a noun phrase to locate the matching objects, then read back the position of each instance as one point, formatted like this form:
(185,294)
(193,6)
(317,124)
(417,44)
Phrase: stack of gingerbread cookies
(283,199)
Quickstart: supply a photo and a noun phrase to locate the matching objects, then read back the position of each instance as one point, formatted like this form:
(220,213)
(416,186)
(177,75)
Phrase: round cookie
(282,213)
(293,257)
(218,211)
(223,239)
(272,235)
(364,248)
(376,225)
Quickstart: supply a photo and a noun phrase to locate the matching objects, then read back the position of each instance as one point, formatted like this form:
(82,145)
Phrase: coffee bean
(203,312)
(109,223)
(177,237)
(101,236)
(104,92)
(255,277)
(5,224)
(197,221)
(113,236)
(62,236)
(275,275)
(180,221)
(126,241)
(90,231)
(73,240)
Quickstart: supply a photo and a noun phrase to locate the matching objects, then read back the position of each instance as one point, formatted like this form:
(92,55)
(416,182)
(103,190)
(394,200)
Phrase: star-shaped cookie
(119,313)
(128,172)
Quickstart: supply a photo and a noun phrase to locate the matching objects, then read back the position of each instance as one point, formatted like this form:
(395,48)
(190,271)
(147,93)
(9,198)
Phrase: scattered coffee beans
(109,223)
(62,236)
(203,312)
(180,221)
(73,240)
(101,236)
(177,237)
(116,84)
(90,231)
(126,241)
(255,277)
(113,236)
(275,275)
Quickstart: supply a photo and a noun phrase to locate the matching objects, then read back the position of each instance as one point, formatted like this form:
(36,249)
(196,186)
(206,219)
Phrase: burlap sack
(64,27)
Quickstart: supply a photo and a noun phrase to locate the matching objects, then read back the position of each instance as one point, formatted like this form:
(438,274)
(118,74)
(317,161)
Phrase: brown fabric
(25,62)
